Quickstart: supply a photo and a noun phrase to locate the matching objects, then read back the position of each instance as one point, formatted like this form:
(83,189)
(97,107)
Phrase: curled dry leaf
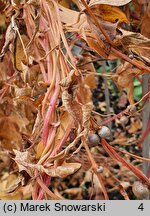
(10,135)
(135,126)
(65,3)
(25,91)
(109,2)
(64,170)
(68,97)
(87,109)
(102,2)
(65,120)
(10,187)
(9,38)
(124,80)
(25,162)
(137,44)
(109,13)
(84,26)
(19,52)
(145,23)
(9,184)
(23,159)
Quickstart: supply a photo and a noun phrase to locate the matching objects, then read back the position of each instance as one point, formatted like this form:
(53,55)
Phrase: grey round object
(140,190)
(104,132)
(93,139)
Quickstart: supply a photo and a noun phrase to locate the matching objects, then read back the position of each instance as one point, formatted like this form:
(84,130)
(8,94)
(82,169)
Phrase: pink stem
(48,116)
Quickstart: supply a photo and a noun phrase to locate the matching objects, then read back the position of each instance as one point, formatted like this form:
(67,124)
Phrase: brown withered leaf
(10,187)
(25,162)
(87,109)
(2,19)
(23,159)
(19,52)
(109,2)
(97,2)
(64,170)
(109,13)
(65,120)
(65,3)
(10,183)
(86,64)
(90,81)
(120,139)
(5,159)
(10,135)
(145,23)
(135,126)
(39,149)
(124,80)
(9,38)
(84,26)
(137,44)
(25,91)
(72,106)
(96,39)
(68,97)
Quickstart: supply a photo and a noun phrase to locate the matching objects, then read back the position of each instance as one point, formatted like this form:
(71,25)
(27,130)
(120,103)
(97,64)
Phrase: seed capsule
(124,120)
(140,190)
(93,139)
(132,109)
(100,169)
(104,132)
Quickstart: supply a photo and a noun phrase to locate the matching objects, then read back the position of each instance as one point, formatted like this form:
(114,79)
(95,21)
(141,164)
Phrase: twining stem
(124,111)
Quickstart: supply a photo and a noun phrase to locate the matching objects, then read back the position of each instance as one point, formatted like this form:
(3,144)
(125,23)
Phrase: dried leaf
(10,136)
(9,38)
(109,2)
(145,23)
(124,80)
(19,52)
(84,26)
(137,44)
(65,120)
(109,13)
(9,184)
(135,126)
(64,170)
(68,97)
(65,3)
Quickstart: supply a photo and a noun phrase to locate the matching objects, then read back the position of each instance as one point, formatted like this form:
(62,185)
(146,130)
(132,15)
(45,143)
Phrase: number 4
(141,207)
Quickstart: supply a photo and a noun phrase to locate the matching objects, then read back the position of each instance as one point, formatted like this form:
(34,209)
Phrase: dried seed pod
(93,139)
(104,132)
(140,190)
(124,120)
